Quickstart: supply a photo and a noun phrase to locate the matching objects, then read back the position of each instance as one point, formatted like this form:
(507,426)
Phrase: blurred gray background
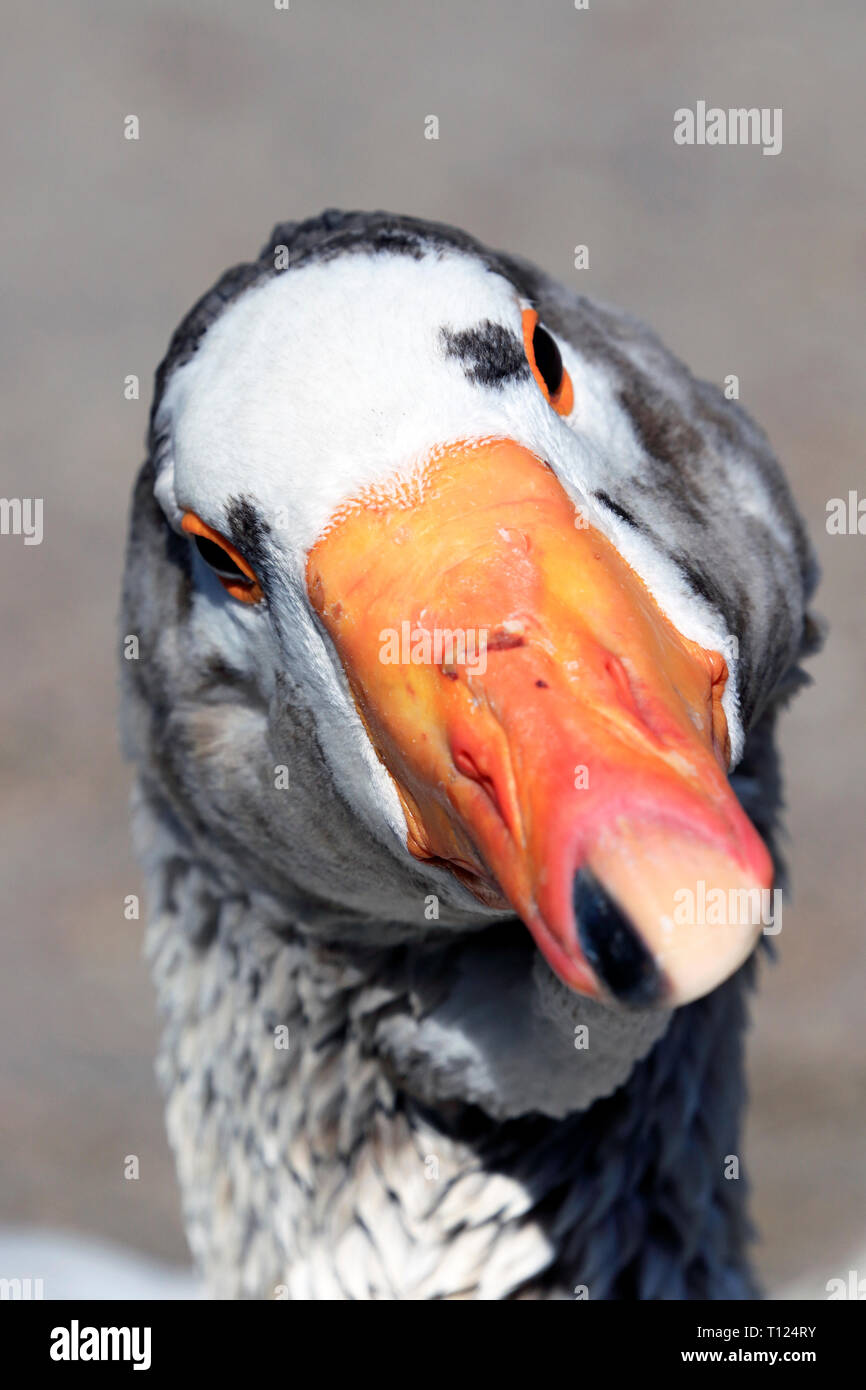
(556,128)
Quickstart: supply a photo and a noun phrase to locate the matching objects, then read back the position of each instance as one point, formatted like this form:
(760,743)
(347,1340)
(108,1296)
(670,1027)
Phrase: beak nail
(612,945)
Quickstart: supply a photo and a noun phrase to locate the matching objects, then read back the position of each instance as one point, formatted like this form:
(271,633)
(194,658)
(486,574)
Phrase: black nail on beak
(613,947)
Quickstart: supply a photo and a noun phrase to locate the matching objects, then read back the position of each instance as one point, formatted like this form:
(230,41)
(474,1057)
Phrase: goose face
(387,473)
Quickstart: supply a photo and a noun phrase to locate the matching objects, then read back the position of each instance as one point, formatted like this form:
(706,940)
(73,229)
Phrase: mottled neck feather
(311,1167)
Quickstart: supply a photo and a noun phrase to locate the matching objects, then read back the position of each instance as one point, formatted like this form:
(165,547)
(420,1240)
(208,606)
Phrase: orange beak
(553,739)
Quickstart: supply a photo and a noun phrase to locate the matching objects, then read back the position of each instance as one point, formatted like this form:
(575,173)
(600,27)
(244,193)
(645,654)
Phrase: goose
(464,615)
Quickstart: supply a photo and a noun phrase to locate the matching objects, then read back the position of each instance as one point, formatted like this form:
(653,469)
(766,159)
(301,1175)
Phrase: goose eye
(227,563)
(548,359)
(219,560)
(545,359)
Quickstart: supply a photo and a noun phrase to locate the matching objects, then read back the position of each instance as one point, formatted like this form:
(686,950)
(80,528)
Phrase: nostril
(632,699)
(612,945)
(465,763)
(618,674)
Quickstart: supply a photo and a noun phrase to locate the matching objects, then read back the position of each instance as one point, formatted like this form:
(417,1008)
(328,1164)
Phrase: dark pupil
(547,359)
(218,560)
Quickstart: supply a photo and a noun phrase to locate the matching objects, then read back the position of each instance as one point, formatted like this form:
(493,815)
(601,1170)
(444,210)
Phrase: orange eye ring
(245,590)
(562,399)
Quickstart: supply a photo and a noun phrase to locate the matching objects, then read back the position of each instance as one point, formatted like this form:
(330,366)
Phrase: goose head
(463,599)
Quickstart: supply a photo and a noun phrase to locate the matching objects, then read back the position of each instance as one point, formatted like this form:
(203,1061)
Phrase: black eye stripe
(548,359)
(490,354)
(219,560)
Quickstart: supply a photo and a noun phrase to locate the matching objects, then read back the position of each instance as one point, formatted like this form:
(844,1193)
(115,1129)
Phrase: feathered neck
(311,1168)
